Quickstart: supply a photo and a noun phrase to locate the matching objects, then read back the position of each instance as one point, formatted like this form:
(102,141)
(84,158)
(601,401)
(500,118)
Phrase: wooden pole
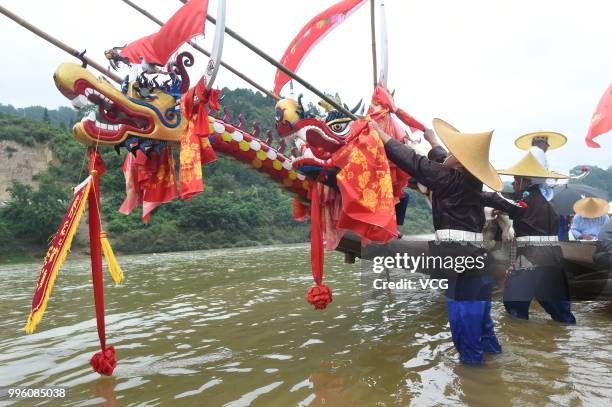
(72,51)
(373,27)
(281,67)
(203,51)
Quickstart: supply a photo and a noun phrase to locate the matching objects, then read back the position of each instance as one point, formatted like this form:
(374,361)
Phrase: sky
(512,66)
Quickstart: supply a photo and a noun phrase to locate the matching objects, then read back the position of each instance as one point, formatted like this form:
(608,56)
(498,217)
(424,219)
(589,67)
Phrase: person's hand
(430,136)
(586,237)
(383,136)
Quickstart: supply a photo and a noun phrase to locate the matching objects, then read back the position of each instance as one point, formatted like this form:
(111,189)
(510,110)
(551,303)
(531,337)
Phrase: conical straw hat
(591,207)
(529,166)
(555,140)
(472,151)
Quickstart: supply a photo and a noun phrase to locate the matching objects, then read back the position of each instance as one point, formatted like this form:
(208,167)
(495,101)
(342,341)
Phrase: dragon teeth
(80,102)
(90,117)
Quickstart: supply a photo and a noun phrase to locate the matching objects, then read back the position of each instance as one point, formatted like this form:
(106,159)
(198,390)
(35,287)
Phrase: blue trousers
(548,286)
(469,315)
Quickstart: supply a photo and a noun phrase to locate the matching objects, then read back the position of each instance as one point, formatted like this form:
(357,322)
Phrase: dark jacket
(456,195)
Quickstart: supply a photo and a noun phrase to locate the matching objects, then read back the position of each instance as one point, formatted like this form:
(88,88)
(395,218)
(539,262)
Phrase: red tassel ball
(104,362)
(523,204)
(319,296)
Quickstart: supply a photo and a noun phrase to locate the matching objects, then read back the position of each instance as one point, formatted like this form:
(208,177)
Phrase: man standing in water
(458,216)
(536,267)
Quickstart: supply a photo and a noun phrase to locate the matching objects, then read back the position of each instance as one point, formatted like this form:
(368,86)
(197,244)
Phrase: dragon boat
(337,173)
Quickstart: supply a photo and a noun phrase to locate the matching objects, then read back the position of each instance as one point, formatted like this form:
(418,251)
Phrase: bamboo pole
(72,51)
(281,67)
(373,28)
(203,51)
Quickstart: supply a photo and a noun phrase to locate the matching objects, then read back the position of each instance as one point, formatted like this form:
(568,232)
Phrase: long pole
(281,67)
(72,51)
(203,51)
(373,27)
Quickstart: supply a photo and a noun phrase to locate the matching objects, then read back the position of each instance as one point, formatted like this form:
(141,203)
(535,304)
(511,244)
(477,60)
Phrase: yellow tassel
(111,261)
(35,317)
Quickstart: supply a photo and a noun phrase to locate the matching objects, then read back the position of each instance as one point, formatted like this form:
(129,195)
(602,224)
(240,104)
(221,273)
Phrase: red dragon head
(316,139)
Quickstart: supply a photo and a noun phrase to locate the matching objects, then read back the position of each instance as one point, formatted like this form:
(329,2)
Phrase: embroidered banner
(57,254)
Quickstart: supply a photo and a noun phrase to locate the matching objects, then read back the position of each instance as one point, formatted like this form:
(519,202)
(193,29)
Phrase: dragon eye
(340,128)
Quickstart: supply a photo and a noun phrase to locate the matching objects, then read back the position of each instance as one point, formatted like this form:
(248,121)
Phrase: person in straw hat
(591,215)
(458,202)
(538,143)
(536,267)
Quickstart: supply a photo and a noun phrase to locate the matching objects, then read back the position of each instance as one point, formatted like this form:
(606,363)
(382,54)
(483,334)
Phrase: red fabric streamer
(319,296)
(300,210)
(380,111)
(383,99)
(181,27)
(310,35)
(205,98)
(149,181)
(196,149)
(364,180)
(101,364)
(104,362)
(602,119)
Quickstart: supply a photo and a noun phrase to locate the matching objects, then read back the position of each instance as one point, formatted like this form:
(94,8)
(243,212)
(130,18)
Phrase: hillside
(238,208)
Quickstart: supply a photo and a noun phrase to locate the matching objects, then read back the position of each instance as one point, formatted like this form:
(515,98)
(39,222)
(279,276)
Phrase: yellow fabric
(113,266)
(35,317)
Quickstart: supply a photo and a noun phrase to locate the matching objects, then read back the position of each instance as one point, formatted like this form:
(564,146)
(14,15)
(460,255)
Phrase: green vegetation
(239,206)
(598,178)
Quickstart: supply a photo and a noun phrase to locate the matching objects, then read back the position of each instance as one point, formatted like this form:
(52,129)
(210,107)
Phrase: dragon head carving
(141,109)
(316,139)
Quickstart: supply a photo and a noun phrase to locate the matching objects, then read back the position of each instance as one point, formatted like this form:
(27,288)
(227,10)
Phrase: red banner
(602,119)
(149,181)
(313,32)
(181,27)
(57,254)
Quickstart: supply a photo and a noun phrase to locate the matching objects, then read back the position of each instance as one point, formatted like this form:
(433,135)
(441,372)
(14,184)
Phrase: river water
(231,328)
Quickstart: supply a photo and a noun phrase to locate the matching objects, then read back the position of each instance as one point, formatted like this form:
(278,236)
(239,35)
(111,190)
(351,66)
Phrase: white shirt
(545,183)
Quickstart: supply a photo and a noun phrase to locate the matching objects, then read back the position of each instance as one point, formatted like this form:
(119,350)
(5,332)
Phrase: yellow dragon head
(136,110)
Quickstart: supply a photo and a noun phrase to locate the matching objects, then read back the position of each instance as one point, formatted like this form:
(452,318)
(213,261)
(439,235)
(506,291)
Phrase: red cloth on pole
(602,119)
(313,32)
(181,27)
(103,362)
(365,183)
(149,181)
(320,295)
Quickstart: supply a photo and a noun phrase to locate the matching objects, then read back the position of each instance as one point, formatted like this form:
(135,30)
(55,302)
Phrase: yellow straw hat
(555,140)
(472,151)
(529,166)
(591,207)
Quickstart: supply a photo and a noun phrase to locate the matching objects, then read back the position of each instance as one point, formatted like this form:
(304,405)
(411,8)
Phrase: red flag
(602,119)
(313,32)
(180,28)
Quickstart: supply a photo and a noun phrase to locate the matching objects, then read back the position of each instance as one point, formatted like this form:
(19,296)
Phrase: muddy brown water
(231,328)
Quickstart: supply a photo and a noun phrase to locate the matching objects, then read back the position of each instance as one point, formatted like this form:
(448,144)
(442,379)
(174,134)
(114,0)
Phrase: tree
(46,116)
